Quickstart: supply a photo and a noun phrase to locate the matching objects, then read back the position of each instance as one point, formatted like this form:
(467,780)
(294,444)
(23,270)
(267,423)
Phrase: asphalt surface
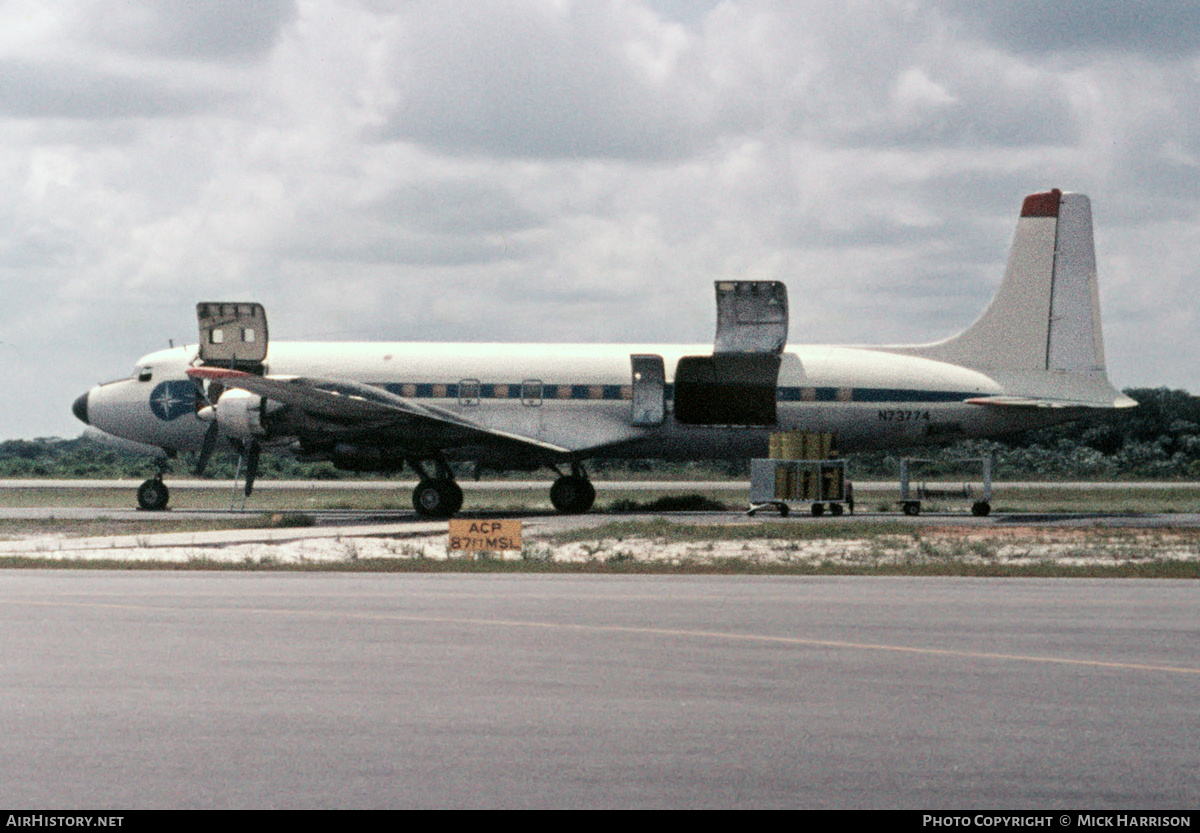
(186,690)
(127,690)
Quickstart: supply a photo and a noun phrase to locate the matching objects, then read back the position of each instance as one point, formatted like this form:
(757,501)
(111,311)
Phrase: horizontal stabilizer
(1037,402)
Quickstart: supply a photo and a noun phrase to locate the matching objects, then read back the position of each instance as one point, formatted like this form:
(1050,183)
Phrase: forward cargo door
(233,335)
(649,389)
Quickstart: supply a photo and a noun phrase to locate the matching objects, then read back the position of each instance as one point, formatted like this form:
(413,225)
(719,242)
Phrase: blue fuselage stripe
(526,390)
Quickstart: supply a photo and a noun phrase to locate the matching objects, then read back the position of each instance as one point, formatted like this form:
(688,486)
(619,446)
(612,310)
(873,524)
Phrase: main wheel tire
(818,509)
(153,495)
(912,507)
(835,509)
(981,509)
(437,499)
(455,493)
(572,495)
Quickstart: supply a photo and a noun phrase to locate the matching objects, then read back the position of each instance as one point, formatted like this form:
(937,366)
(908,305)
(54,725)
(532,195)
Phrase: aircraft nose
(80,409)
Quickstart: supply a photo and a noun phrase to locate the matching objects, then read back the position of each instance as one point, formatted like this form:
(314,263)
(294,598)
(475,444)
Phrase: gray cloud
(531,80)
(212,30)
(36,90)
(457,208)
(1151,27)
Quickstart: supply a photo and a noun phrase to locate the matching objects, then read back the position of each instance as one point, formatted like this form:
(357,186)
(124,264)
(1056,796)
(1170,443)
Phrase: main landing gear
(436,498)
(573,494)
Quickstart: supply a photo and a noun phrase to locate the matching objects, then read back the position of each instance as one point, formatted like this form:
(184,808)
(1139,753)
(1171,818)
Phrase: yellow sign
(475,535)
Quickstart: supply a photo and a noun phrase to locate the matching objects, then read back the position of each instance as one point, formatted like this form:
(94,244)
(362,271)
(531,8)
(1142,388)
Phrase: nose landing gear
(153,495)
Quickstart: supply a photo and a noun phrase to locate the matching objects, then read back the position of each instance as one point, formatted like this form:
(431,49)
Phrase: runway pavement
(177,690)
(125,690)
(872,495)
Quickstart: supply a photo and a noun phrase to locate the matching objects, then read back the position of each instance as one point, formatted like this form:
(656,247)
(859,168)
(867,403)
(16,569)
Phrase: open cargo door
(233,335)
(736,385)
(752,317)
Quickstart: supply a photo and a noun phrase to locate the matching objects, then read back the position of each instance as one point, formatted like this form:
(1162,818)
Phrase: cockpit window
(144,373)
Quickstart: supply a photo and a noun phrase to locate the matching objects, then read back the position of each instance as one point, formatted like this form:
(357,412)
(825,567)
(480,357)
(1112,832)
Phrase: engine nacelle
(242,414)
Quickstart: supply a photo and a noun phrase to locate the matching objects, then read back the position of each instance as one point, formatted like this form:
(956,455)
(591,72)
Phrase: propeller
(206,411)
(252,465)
(248,452)
(206,449)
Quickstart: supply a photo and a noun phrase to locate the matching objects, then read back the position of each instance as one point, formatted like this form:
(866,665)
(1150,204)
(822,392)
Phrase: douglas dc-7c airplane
(1035,357)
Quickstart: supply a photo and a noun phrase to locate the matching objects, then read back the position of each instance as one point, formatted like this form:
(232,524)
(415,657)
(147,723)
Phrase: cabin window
(531,392)
(468,392)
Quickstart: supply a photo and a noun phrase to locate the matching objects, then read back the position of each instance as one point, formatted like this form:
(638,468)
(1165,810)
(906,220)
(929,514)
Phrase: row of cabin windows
(470,391)
(530,391)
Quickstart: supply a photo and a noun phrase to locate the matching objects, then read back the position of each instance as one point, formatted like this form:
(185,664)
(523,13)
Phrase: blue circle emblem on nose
(171,400)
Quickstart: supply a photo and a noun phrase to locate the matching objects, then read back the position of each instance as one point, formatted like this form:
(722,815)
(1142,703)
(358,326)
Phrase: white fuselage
(579,396)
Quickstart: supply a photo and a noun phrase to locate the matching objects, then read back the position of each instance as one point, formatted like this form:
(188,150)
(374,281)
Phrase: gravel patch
(1019,545)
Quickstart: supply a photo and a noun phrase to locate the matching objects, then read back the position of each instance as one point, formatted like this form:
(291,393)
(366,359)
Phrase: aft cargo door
(752,317)
(736,385)
(649,389)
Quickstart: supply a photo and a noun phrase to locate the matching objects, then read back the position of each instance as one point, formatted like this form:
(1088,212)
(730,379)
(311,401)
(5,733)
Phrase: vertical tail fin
(1041,332)
(1046,314)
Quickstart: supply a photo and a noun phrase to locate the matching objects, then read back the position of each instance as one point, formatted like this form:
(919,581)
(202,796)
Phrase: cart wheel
(783,510)
(912,507)
(818,509)
(835,509)
(981,509)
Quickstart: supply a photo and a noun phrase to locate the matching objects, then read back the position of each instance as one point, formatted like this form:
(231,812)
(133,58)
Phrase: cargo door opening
(727,389)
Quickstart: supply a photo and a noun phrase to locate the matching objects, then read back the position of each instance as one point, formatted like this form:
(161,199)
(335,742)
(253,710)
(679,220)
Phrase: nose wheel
(153,495)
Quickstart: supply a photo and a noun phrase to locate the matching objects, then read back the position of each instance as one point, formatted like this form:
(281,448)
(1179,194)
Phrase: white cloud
(579,169)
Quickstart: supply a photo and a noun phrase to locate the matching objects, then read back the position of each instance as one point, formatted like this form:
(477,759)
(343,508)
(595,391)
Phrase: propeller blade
(251,466)
(206,450)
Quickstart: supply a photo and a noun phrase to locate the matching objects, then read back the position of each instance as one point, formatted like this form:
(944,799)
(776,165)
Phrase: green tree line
(1158,440)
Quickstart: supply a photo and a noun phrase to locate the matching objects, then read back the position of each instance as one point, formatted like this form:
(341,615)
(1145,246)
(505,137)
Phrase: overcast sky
(551,170)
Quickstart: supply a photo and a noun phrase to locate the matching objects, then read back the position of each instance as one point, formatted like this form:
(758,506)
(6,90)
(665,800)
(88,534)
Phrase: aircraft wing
(352,405)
